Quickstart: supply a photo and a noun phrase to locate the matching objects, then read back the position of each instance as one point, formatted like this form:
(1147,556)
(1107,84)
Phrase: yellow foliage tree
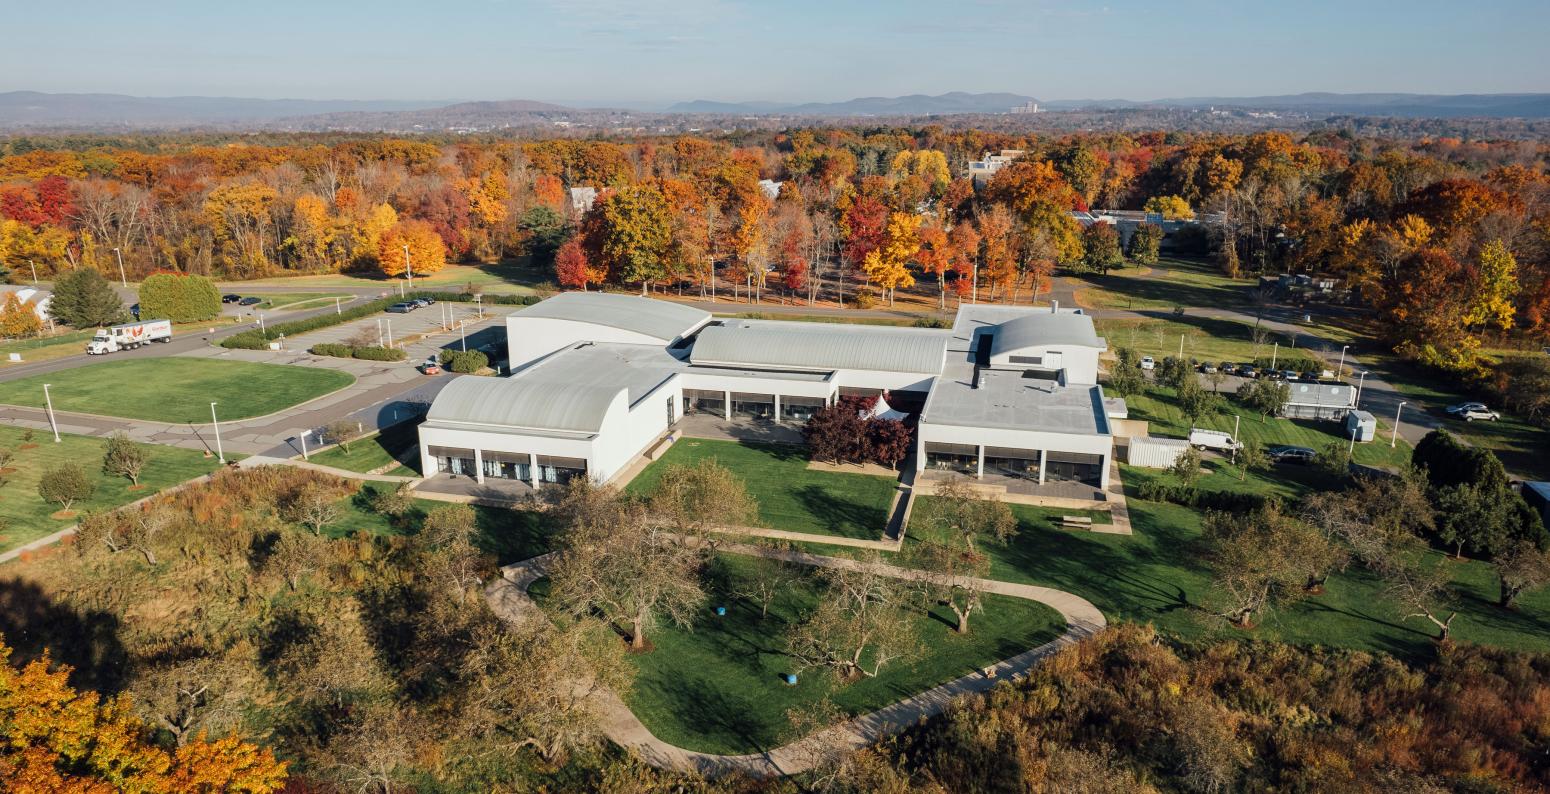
(18,319)
(1172,208)
(312,230)
(427,252)
(55,739)
(886,266)
(21,245)
(1495,285)
(366,235)
(929,164)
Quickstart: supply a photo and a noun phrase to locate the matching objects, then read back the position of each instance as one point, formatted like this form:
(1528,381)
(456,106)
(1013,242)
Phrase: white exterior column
(428,464)
(979,470)
(1042,456)
(920,453)
(1103,480)
(532,469)
(478,466)
(777,408)
(726,412)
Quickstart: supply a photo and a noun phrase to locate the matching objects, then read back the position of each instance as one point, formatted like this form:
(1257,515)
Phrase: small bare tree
(295,555)
(955,572)
(1522,568)
(1260,559)
(100,530)
(965,515)
(142,528)
(1419,589)
(765,583)
(342,432)
(314,506)
(861,624)
(617,563)
(702,498)
(124,457)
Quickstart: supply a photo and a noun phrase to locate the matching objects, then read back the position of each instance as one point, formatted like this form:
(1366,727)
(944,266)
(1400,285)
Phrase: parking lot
(440,321)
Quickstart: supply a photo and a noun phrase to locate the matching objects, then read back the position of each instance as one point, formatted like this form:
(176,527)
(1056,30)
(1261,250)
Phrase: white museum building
(598,379)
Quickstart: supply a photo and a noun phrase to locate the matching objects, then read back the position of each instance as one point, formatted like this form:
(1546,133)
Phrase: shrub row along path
(509,599)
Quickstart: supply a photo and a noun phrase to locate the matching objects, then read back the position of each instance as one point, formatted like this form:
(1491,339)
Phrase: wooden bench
(1076,521)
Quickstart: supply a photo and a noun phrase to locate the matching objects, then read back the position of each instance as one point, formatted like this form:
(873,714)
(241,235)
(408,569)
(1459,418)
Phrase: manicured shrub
(464,362)
(178,297)
(1192,496)
(379,354)
(332,349)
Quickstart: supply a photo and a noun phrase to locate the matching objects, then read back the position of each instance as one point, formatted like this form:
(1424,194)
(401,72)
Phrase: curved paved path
(508,597)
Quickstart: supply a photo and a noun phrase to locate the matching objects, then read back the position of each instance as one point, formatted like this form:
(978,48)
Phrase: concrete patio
(703,425)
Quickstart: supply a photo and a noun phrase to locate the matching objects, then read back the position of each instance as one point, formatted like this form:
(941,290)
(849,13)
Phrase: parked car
(250,301)
(135,310)
(1310,376)
(1147,362)
(1207,368)
(425,301)
(1469,412)
(1247,371)
(1289,454)
(230,297)
(1289,374)
(1213,439)
(403,308)
(1229,368)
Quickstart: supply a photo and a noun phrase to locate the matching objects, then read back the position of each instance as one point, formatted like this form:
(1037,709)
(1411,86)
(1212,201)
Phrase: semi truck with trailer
(129,336)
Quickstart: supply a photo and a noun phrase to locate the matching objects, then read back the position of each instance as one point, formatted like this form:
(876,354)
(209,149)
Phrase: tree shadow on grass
(33,623)
(842,516)
(705,707)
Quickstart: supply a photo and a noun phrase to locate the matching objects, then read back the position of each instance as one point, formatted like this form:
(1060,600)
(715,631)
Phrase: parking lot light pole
(338,309)
(408,268)
(1394,438)
(379,332)
(1359,382)
(34,271)
(1352,451)
(462,328)
(52,423)
(1340,370)
(122,279)
(1274,353)
(303,438)
(390,333)
(220,454)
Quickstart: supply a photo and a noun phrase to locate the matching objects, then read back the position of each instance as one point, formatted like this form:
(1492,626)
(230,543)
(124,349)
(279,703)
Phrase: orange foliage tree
(427,252)
(55,739)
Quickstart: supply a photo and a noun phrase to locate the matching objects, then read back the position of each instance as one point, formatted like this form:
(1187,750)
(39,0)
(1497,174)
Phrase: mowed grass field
(376,451)
(790,496)
(175,389)
(509,535)
(1173,281)
(715,686)
(510,277)
(27,517)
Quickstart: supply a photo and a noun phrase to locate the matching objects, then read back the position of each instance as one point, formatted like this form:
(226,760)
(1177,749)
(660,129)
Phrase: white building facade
(598,379)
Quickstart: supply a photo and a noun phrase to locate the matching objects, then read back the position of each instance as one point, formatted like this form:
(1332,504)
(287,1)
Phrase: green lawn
(375,451)
(1209,339)
(510,535)
(790,496)
(27,516)
(716,687)
(1172,282)
(510,277)
(1158,575)
(176,389)
(297,300)
(1157,407)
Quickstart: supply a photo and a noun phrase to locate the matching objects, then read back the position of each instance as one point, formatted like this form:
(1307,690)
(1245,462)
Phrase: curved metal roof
(524,402)
(1050,328)
(658,319)
(821,346)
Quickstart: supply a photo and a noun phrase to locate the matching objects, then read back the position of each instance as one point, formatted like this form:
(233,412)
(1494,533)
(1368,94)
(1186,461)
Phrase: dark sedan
(1288,454)
(230,297)
(250,301)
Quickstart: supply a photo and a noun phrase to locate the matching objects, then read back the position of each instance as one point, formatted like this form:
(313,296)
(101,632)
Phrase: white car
(1469,412)
(1148,363)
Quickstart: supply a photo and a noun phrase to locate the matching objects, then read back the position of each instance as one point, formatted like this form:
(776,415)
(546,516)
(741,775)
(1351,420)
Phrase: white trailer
(129,336)
(1155,453)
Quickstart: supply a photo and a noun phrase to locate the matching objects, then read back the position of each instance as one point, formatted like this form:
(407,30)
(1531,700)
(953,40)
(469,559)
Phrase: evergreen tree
(83,298)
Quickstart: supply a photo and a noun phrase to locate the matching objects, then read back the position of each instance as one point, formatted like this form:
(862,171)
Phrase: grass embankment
(1159,576)
(716,686)
(1211,339)
(176,390)
(386,448)
(791,497)
(1171,282)
(27,517)
(509,535)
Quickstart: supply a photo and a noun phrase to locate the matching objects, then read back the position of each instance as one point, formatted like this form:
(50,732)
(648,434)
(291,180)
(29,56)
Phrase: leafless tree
(144,526)
(966,515)
(297,554)
(314,506)
(862,623)
(1522,568)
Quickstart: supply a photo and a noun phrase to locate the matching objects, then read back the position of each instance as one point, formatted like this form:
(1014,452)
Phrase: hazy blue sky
(652,51)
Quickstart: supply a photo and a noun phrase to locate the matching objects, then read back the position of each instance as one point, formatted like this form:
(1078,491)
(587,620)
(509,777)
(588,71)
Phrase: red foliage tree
(572,268)
(889,441)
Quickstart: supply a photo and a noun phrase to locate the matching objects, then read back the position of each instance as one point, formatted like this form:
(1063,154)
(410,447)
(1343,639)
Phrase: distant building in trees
(983,169)
(582,199)
(37,299)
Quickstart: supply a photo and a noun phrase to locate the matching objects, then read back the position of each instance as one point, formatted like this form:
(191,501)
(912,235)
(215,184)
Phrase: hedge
(1191,496)
(255,339)
(372,353)
(179,298)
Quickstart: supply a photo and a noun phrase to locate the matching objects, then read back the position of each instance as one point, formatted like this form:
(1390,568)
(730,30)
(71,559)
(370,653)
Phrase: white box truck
(129,336)
(1213,439)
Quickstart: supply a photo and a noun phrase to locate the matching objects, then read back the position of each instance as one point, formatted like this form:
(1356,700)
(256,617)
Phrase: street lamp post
(261,324)
(408,269)
(479,304)
(303,438)
(1359,382)
(379,333)
(122,279)
(390,333)
(52,423)
(1394,437)
(220,454)
(1351,452)
(338,309)
(34,271)
(1340,370)
(1274,353)
(463,329)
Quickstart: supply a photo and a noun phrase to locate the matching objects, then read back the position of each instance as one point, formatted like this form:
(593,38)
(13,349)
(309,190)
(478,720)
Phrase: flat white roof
(1010,400)
(820,346)
(659,319)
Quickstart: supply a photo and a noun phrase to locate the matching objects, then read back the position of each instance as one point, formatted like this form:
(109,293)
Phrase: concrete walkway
(508,597)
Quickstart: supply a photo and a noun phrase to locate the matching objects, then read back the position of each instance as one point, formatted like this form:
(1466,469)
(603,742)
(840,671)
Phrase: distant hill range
(911,105)
(34,110)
